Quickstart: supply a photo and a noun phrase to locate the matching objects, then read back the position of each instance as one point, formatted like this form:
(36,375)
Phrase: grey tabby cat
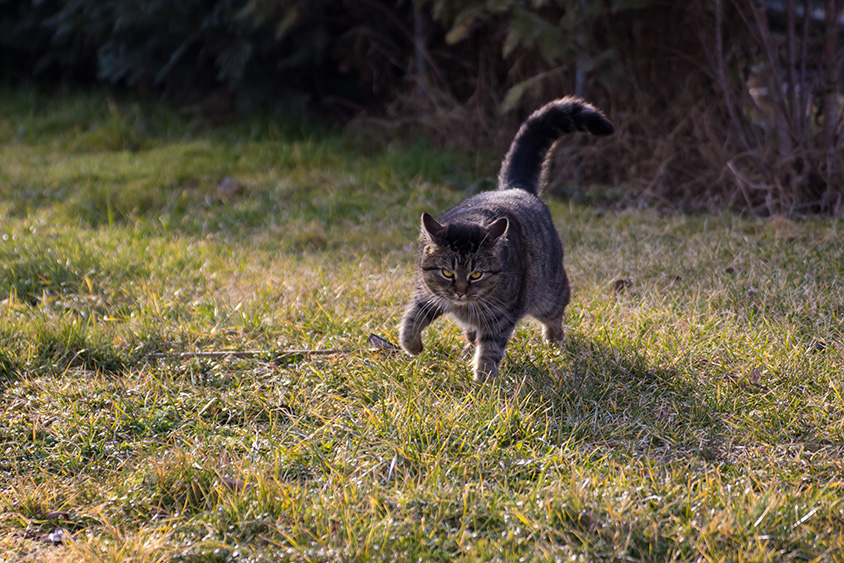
(496,257)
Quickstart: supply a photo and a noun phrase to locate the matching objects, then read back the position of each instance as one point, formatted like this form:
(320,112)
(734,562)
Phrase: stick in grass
(377,344)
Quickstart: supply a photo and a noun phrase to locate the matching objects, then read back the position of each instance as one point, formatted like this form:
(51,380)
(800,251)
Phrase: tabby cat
(496,257)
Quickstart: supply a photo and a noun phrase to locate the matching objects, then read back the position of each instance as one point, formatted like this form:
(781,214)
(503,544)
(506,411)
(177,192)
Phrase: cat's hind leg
(552,330)
(550,313)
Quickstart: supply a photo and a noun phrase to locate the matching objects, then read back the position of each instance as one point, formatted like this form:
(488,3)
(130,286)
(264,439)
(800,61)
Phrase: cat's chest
(465,315)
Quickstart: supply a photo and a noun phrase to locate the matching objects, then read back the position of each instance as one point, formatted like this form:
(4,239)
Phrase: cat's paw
(467,350)
(553,333)
(484,371)
(412,346)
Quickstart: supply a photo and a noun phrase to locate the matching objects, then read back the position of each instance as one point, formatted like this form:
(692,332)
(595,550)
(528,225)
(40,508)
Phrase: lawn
(694,412)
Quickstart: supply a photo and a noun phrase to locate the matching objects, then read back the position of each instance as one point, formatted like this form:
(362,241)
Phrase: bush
(717,104)
(228,52)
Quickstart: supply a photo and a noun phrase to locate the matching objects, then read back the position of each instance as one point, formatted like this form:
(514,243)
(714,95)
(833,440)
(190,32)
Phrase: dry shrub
(718,105)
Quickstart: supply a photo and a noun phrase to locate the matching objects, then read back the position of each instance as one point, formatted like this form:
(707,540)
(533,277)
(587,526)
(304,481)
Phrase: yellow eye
(447,274)
(475,276)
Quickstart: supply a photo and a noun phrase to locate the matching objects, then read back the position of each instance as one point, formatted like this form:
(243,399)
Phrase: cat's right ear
(497,228)
(431,226)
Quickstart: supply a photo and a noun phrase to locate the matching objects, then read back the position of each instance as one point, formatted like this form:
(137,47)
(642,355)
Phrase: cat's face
(462,262)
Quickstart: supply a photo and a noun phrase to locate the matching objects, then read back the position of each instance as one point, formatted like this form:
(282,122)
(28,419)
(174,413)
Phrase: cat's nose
(460,290)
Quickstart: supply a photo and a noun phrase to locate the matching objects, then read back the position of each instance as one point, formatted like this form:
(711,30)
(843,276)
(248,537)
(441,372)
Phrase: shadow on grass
(56,350)
(9,370)
(618,399)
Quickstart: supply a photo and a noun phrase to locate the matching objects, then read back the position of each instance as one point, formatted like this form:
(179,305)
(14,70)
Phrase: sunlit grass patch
(694,411)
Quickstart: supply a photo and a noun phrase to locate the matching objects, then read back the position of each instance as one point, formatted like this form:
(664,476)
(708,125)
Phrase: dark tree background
(718,103)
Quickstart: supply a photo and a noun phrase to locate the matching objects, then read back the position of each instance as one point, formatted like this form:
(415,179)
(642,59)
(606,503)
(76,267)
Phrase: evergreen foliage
(719,104)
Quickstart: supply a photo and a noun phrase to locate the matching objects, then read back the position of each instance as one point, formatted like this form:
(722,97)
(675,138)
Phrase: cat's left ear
(497,228)
(431,226)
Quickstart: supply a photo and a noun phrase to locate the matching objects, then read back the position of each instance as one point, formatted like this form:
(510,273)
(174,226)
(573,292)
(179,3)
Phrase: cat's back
(515,204)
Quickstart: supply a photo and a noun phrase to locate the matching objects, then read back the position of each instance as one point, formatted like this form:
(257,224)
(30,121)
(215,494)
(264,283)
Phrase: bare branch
(377,343)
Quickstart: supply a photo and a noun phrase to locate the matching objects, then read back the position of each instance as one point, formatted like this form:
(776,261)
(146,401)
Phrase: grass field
(694,413)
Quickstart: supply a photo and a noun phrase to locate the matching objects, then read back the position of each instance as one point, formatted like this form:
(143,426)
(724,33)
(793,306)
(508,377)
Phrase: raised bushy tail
(527,161)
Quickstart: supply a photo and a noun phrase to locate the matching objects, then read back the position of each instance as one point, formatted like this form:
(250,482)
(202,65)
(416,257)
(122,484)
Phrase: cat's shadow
(615,398)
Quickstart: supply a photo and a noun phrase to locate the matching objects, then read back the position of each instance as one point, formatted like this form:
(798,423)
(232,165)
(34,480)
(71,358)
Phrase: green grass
(694,413)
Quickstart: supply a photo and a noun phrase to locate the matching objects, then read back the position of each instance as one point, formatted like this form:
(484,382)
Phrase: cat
(496,257)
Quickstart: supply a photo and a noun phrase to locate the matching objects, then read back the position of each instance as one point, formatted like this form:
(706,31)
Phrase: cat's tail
(527,161)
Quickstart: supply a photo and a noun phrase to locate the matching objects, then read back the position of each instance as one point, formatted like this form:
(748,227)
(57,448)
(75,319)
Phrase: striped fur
(497,257)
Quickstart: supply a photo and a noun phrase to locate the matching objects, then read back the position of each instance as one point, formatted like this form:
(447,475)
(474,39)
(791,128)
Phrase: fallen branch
(377,344)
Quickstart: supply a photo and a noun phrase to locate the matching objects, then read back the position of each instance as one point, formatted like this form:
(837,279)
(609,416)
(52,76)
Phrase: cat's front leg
(418,314)
(489,352)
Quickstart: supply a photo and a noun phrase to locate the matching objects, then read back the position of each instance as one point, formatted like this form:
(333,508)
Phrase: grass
(694,412)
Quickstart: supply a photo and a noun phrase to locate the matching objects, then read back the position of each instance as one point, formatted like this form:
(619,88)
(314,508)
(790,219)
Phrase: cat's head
(462,261)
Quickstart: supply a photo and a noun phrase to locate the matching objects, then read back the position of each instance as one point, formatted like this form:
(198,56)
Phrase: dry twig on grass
(377,344)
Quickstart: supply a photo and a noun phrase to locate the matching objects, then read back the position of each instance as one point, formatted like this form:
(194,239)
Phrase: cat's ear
(431,226)
(497,228)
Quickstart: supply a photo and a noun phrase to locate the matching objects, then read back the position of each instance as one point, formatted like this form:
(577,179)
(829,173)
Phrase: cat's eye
(475,276)
(447,273)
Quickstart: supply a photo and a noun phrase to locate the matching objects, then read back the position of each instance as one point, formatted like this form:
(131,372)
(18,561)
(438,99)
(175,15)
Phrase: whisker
(426,309)
(486,317)
(494,305)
